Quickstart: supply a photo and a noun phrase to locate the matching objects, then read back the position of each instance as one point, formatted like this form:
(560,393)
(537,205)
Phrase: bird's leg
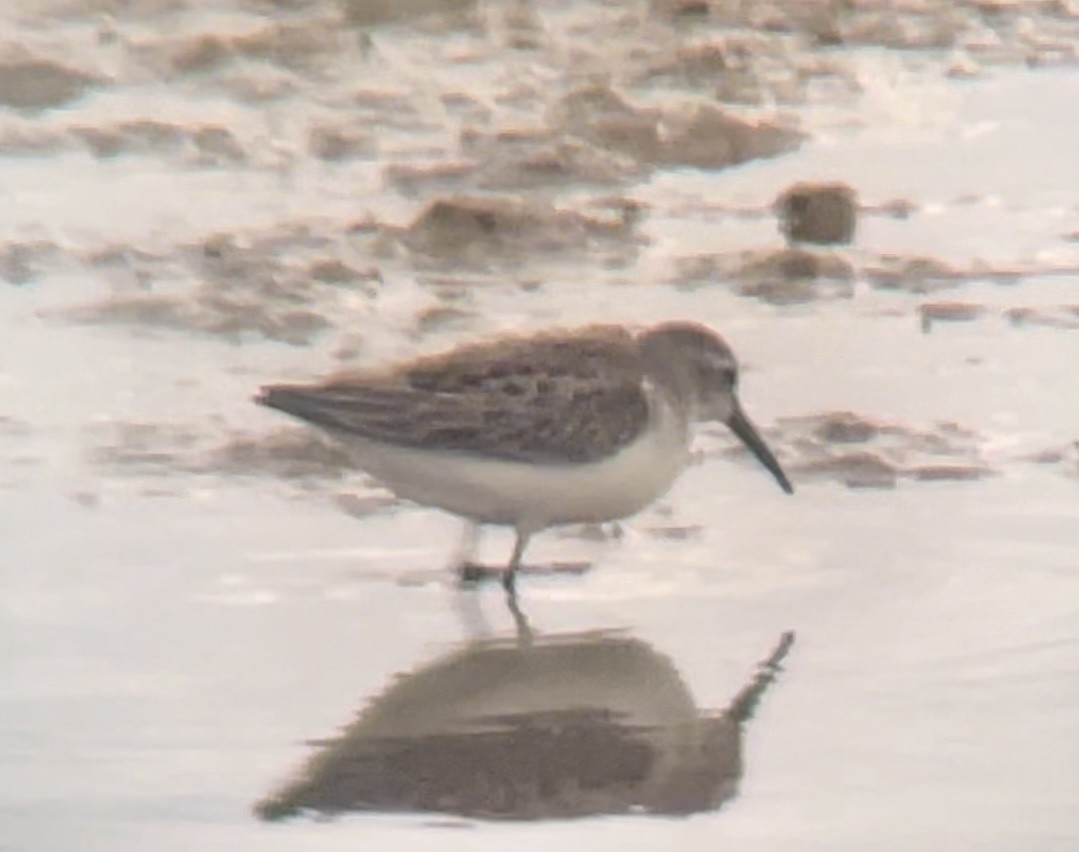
(466,549)
(525,636)
(509,575)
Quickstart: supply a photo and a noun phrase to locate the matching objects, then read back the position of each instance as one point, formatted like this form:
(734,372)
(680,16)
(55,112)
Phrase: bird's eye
(723,370)
(720,370)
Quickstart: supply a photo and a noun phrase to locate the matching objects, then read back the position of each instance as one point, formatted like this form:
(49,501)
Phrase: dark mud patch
(992,32)
(169,459)
(518,160)
(340,141)
(794,276)
(822,213)
(800,274)
(284,453)
(287,285)
(40,84)
(478,229)
(297,45)
(705,137)
(21,262)
(1065,458)
(1057,316)
(204,145)
(928,275)
(205,311)
(914,274)
(688,134)
(433,13)
(433,178)
(26,139)
(439,318)
(788,276)
(1064,317)
(136,448)
(931,313)
(191,144)
(862,452)
(745,68)
(675,532)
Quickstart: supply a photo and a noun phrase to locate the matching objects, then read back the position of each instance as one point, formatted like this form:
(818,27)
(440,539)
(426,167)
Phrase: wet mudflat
(212,636)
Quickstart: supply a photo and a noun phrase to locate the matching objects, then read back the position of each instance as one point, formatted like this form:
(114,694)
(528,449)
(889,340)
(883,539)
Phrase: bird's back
(565,397)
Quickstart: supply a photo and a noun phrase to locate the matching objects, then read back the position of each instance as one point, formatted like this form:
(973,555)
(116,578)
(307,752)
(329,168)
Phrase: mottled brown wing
(549,399)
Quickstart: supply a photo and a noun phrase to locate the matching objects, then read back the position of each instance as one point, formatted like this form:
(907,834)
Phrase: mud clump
(861,452)
(206,311)
(516,160)
(844,427)
(207,145)
(853,469)
(423,179)
(1066,457)
(708,138)
(285,453)
(693,62)
(289,284)
(22,262)
(701,136)
(162,448)
(1060,316)
(296,46)
(473,227)
(373,13)
(913,274)
(949,472)
(337,143)
(604,117)
(795,276)
(565,161)
(217,146)
(937,312)
(36,84)
(821,213)
(145,136)
(534,158)
(300,458)
(820,21)
(790,276)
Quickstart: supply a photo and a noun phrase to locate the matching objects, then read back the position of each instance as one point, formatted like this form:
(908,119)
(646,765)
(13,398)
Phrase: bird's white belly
(533,496)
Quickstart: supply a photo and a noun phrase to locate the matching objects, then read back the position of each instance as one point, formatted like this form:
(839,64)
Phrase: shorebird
(532,431)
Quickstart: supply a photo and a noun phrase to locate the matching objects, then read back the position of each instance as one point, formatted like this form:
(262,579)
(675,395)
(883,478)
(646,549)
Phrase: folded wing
(554,399)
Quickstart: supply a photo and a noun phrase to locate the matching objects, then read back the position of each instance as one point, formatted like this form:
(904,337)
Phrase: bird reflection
(531,728)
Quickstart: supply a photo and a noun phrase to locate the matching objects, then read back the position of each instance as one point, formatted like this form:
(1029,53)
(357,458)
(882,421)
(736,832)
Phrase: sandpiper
(532,431)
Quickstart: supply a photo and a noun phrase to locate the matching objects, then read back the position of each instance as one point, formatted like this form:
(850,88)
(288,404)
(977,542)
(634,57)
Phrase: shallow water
(189,609)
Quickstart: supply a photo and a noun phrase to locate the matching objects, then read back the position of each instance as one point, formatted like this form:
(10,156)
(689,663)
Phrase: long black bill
(744,429)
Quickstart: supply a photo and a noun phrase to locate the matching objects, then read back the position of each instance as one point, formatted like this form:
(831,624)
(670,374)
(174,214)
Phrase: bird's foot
(473,573)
